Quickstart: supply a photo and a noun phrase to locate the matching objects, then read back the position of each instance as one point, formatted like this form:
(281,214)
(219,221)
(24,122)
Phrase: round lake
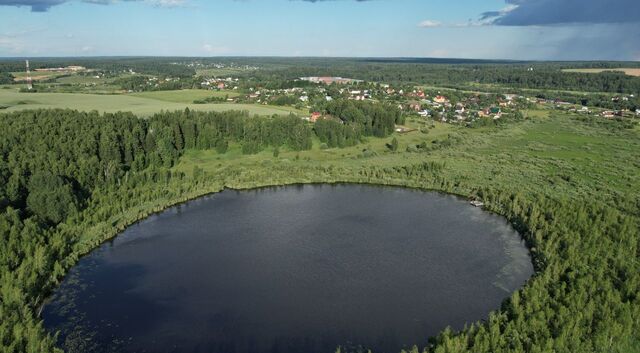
(291,269)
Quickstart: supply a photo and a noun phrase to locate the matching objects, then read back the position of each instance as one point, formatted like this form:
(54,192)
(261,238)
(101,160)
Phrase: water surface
(291,269)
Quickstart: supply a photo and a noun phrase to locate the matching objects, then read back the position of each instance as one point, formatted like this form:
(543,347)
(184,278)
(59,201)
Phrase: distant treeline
(465,76)
(165,67)
(278,73)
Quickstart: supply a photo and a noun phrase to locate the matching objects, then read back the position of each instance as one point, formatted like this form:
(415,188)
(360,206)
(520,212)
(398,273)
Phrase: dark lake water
(291,269)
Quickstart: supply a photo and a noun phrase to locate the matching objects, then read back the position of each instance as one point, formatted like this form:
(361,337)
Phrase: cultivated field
(628,71)
(35,76)
(185,95)
(220,72)
(144,105)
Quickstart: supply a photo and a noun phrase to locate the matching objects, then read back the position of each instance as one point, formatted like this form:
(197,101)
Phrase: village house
(415,106)
(440,99)
(315,116)
(610,114)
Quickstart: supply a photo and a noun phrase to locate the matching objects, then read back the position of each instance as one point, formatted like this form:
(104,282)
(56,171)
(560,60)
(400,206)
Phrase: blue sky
(508,29)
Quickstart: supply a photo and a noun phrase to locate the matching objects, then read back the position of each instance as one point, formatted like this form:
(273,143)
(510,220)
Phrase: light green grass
(82,80)
(36,76)
(628,71)
(219,72)
(141,106)
(185,95)
(562,156)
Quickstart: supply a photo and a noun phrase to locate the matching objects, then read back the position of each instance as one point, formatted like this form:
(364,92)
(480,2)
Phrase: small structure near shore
(477,203)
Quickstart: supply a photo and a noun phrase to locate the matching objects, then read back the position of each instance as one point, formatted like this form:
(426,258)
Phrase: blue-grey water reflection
(291,269)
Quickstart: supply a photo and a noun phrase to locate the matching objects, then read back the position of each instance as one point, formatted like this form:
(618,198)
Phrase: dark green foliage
(5,78)
(351,120)
(222,146)
(51,197)
(211,100)
(393,146)
(337,134)
(375,119)
(284,100)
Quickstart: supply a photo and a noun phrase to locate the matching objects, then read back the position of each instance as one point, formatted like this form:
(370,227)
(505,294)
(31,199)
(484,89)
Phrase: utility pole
(29,82)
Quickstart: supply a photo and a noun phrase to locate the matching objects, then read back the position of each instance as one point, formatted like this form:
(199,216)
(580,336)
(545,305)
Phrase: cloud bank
(561,12)
(45,5)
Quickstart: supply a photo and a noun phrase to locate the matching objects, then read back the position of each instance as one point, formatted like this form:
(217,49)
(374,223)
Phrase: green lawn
(12,100)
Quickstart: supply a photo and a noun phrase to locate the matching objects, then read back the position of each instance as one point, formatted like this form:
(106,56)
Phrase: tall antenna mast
(29,82)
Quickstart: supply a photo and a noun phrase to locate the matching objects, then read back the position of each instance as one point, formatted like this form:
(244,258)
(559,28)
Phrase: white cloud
(430,24)
(215,50)
(166,3)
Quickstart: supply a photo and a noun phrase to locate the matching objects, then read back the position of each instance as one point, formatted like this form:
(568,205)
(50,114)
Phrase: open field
(628,71)
(12,100)
(35,76)
(220,72)
(185,95)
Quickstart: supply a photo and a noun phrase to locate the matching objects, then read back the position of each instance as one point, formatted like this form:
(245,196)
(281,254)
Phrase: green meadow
(185,95)
(551,152)
(143,104)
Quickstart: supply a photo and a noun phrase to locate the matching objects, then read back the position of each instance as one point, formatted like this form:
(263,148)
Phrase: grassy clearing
(12,100)
(35,76)
(219,72)
(628,71)
(185,95)
(563,156)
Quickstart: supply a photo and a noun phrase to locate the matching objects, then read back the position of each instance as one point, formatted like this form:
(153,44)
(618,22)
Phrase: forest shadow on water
(303,268)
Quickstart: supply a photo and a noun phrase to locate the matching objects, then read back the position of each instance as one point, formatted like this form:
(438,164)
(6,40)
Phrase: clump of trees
(349,121)
(6,78)
(71,152)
